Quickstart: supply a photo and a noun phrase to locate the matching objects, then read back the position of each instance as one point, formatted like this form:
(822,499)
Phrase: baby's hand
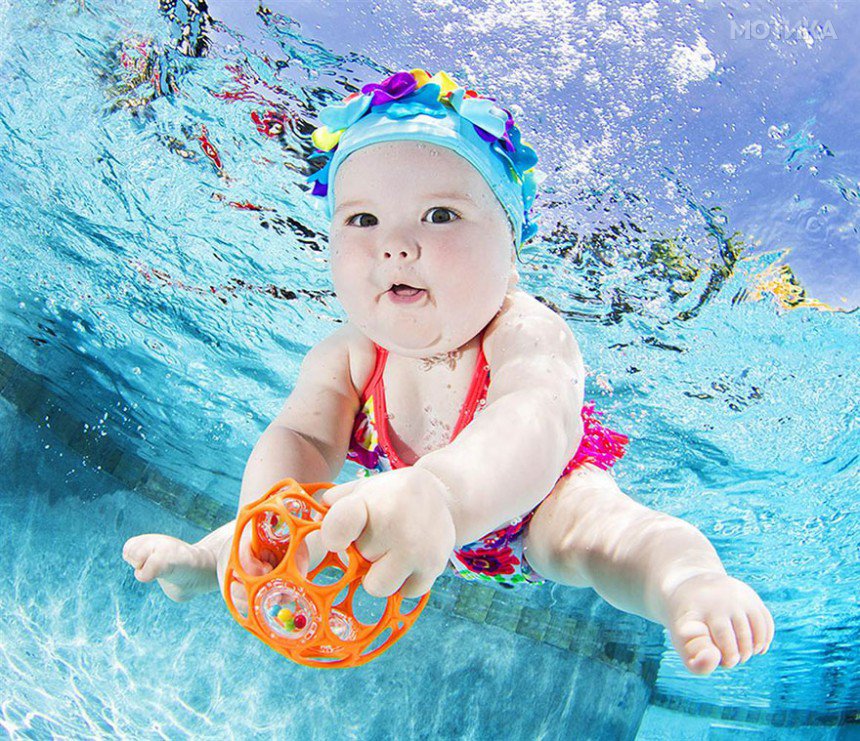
(716,619)
(399,521)
(255,566)
(182,570)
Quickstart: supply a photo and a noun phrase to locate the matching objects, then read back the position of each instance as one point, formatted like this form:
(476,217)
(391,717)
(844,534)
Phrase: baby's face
(417,214)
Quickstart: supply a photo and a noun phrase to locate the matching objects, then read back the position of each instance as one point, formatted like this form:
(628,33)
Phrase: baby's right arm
(309,438)
(307,441)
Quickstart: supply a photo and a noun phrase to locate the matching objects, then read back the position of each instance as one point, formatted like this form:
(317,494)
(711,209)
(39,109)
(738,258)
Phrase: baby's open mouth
(401,289)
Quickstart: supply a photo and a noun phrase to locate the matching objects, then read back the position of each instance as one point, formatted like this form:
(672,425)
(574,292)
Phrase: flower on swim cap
(414,106)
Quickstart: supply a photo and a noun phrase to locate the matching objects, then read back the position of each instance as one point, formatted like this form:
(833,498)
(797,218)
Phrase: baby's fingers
(138,550)
(131,552)
(343,523)
(771,628)
(240,597)
(154,566)
(385,576)
(416,586)
(252,564)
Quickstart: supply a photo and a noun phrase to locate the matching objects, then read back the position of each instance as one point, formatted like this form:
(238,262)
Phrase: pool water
(162,274)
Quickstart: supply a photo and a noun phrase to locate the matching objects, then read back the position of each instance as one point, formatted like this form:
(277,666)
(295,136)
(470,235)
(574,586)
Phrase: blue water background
(123,263)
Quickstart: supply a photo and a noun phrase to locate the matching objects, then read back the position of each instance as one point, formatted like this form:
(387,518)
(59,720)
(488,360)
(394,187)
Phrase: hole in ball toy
(340,600)
(329,575)
(409,604)
(378,641)
(298,508)
(367,609)
(273,529)
(239,597)
(258,559)
(317,656)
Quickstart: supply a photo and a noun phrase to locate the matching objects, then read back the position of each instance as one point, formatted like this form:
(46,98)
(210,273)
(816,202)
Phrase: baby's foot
(714,619)
(182,570)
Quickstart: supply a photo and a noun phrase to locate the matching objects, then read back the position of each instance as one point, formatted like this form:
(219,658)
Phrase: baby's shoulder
(362,356)
(524,318)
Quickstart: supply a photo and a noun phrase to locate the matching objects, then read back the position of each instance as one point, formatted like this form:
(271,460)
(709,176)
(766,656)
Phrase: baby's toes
(725,639)
(692,641)
(762,629)
(703,657)
(743,636)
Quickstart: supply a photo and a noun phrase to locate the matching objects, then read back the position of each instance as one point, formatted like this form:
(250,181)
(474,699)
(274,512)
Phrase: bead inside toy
(276,529)
(342,625)
(286,611)
(332,573)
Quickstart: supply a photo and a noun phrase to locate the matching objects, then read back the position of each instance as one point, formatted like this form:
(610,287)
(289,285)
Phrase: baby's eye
(441,208)
(349,220)
(447,220)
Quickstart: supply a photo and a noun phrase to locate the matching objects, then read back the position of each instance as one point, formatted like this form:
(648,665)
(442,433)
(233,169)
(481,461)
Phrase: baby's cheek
(345,271)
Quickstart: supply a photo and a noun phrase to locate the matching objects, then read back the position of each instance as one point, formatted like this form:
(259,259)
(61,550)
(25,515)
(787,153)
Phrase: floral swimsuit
(497,557)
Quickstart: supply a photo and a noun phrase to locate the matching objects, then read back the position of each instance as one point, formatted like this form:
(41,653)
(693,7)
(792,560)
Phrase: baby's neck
(449,359)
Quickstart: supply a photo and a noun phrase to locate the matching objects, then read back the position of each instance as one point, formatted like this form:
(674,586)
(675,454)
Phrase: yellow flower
(324,139)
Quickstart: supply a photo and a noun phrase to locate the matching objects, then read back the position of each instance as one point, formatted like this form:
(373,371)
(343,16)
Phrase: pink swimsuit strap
(376,388)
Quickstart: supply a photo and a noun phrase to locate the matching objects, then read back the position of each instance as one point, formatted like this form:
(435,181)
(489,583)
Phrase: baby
(461,392)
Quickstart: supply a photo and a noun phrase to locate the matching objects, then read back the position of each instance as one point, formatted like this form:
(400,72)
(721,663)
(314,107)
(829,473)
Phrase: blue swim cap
(413,106)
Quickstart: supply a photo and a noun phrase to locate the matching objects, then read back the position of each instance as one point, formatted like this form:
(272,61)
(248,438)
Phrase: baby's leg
(587,532)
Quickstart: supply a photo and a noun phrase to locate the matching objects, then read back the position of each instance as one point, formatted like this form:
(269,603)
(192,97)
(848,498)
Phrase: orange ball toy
(293,613)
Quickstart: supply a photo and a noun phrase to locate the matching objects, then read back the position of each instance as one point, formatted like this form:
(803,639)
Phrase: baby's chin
(421,341)
(412,345)
(424,331)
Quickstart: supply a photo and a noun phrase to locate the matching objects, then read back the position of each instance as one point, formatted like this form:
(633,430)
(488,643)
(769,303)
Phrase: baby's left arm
(500,466)
(507,459)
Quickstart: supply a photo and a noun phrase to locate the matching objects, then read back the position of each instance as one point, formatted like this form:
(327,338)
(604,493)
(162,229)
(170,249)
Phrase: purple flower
(399,85)
(504,140)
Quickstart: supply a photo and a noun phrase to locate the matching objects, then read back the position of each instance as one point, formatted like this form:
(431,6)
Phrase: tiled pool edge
(755,716)
(468,600)
(24,389)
